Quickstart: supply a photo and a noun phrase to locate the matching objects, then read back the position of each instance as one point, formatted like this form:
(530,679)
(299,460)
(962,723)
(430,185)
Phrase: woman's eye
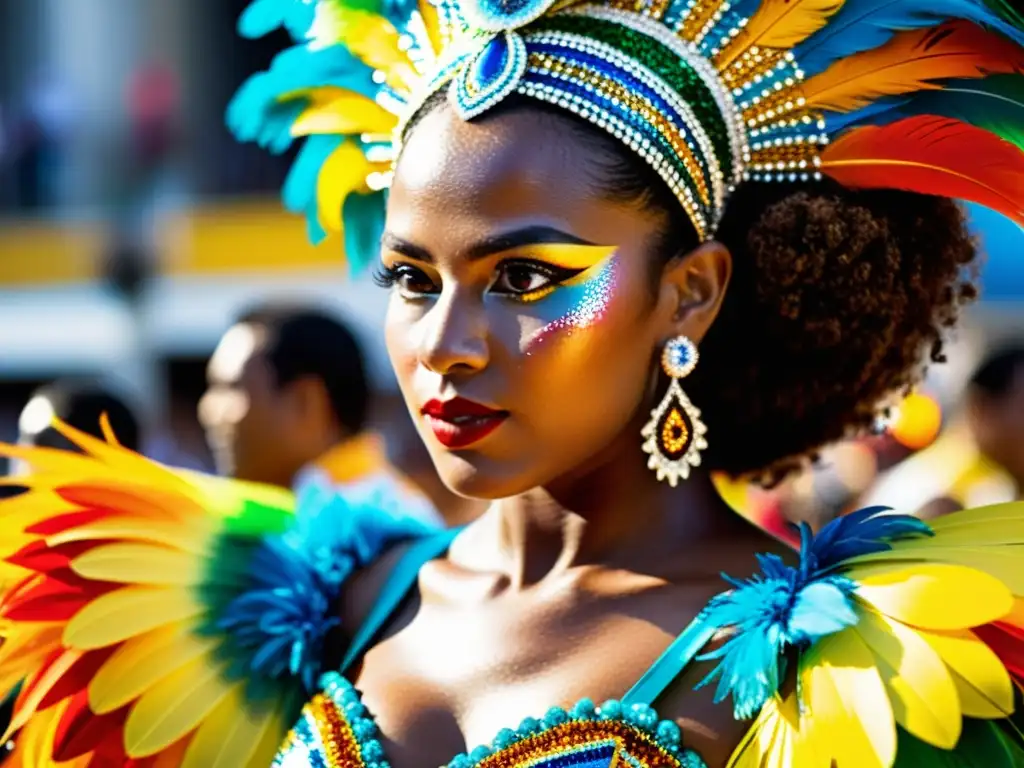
(409,280)
(520,279)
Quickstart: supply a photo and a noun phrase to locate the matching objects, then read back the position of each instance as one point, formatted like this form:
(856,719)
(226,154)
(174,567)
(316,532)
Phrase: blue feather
(299,191)
(862,25)
(363,217)
(861,533)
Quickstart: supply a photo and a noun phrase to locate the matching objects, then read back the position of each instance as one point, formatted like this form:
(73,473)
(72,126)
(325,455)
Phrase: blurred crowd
(288,400)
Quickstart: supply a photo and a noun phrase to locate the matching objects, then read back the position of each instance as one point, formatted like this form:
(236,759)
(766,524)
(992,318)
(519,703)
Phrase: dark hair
(305,342)
(998,373)
(839,298)
(80,404)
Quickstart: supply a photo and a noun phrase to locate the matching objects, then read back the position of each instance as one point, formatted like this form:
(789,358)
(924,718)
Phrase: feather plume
(912,61)
(861,25)
(778,24)
(934,156)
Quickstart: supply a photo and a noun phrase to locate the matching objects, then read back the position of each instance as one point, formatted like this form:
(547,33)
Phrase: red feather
(57,597)
(933,156)
(81,730)
(1007,643)
(41,558)
(77,677)
(61,523)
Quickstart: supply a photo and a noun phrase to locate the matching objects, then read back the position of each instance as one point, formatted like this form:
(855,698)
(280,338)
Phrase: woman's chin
(469,474)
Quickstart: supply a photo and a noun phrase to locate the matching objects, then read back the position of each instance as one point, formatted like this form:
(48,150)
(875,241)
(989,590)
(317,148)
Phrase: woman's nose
(454,336)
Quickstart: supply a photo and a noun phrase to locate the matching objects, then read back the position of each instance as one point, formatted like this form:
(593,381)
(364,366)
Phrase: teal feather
(862,25)
(262,17)
(299,191)
(364,224)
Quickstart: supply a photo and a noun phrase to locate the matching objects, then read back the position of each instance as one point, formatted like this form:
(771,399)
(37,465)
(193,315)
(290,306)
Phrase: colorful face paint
(577,303)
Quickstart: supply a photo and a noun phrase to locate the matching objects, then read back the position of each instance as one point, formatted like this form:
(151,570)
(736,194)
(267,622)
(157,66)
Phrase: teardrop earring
(674,437)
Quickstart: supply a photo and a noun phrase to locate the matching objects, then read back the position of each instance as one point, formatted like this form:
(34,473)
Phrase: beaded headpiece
(920,95)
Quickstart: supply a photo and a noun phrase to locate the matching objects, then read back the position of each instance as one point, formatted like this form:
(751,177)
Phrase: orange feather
(779,24)
(933,156)
(912,61)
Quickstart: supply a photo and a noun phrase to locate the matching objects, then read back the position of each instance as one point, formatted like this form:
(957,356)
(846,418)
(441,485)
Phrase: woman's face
(522,324)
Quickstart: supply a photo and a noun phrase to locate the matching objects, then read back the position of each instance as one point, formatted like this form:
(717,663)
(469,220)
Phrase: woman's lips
(459,423)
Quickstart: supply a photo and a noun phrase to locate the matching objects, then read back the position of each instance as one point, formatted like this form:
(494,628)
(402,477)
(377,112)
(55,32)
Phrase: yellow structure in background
(239,236)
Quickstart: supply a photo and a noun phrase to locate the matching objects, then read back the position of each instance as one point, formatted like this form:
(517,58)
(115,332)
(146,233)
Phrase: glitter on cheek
(579,303)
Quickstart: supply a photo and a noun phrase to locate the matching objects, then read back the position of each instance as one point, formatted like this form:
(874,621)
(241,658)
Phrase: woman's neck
(613,513)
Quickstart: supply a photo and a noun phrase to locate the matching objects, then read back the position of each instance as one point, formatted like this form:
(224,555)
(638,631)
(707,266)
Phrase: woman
(579,204)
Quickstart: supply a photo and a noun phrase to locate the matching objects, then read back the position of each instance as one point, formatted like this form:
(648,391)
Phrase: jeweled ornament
(674,436)
(489,76)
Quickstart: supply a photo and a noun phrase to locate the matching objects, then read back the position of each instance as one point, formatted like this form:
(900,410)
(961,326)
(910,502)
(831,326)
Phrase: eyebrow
(507,241)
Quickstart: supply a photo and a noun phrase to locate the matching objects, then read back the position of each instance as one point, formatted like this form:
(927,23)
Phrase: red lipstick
(458,423)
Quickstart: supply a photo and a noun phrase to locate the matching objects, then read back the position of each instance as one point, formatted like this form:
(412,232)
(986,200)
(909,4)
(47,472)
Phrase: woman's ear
(693,287)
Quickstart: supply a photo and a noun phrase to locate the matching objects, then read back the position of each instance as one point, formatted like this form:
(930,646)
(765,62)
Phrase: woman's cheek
(576,307)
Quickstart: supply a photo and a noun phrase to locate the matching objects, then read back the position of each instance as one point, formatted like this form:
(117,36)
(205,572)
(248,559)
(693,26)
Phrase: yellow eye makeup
(563,255)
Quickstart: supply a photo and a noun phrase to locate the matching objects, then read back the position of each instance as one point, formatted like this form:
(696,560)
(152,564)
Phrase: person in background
(979,459)
(287,403)
(79,403)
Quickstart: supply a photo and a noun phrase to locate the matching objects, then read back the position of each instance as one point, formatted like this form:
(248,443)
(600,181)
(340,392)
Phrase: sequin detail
(335,731)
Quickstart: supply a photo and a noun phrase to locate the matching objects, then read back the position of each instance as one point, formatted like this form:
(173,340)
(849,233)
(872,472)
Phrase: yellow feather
(981,534)
(26,708)
(982,682)
(778,24)
(142,662)
(137,563)
(229,498)
(851,709)
(431,25)
(128,612)
(192,537)
(1016,614)
(231,734)
(932,595)
(174,707)
(924,699)
(1003,563)
(749,753)
(371,38)
(340,111)
(1011,511)
(344,171)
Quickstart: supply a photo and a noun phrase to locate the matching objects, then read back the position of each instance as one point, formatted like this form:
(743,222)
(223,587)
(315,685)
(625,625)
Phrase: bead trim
(693,128)
(641,738)
(692,56)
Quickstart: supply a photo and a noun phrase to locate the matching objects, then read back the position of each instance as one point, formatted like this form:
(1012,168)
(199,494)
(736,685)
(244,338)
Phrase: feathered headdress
(920,95)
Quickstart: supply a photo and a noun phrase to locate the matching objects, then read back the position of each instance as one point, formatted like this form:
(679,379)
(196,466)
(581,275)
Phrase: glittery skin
(578,303)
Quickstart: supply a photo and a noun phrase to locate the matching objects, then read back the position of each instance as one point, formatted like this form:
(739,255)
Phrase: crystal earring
(674,437)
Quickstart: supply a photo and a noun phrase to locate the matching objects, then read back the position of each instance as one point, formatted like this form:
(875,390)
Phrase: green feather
(983,744)
(995,104)
(1006,9)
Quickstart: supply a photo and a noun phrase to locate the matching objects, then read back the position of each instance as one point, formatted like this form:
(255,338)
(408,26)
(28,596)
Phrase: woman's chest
(451,680)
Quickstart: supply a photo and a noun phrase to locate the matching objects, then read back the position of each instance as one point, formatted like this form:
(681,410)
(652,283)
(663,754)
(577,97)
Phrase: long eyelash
(385,277)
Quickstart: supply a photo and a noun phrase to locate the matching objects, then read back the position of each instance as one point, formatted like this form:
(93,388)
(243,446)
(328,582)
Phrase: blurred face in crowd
(998,425)
(256,430)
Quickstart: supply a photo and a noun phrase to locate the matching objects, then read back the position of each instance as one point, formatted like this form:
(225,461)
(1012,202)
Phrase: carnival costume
(159,618)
